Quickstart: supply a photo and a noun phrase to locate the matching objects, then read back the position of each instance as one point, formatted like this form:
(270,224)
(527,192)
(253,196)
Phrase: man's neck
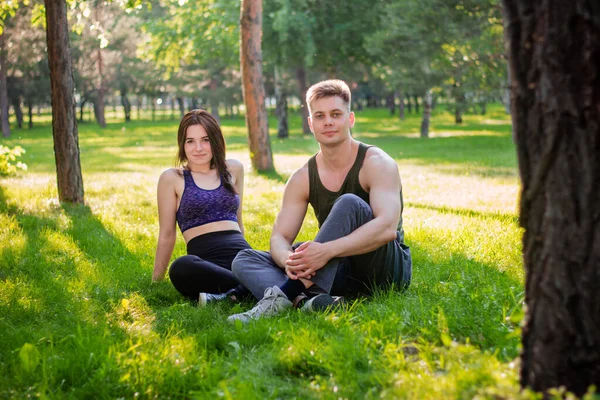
(339,156)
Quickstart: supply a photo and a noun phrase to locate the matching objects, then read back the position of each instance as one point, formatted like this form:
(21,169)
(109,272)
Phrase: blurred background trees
(174,55)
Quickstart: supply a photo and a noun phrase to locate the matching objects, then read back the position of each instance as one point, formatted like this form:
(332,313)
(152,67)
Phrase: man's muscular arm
(383,179)
(290,217)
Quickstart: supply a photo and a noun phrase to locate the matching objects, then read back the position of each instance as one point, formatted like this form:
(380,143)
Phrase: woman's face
(197,146)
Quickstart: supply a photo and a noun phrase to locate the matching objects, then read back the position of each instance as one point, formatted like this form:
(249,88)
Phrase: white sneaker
(273,302)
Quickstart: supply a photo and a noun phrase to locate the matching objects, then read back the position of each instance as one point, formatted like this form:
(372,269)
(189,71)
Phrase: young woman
(203,195)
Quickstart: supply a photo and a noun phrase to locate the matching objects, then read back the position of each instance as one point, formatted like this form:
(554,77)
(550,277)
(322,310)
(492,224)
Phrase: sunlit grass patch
(80,319)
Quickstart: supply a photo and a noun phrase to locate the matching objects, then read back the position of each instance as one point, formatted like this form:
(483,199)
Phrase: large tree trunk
(253,88)
(303,88)
(426,114)
(555,70)
(64,123)
(281,105)
(3,90)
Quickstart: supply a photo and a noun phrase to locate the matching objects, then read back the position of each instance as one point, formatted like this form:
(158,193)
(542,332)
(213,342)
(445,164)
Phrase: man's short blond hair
(329,88)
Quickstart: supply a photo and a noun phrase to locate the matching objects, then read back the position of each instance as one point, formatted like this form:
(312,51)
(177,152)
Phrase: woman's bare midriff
(216,226)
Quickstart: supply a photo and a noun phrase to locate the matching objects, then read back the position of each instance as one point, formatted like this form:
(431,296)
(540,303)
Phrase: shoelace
(269,305)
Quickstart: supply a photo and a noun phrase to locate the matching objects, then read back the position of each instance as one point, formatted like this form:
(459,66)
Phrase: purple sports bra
(200,206)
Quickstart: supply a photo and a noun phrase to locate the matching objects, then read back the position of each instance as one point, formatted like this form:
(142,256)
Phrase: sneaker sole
(322,302)
(202,300)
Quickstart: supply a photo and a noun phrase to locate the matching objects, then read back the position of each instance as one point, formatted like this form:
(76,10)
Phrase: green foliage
(81,319)
(8,160)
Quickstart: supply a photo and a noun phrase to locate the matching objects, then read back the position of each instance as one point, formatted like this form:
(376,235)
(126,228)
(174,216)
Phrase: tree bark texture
(303,88)
(64,123)
(3,90)
(281,105)
(253,88)
(426,114)
(554,49)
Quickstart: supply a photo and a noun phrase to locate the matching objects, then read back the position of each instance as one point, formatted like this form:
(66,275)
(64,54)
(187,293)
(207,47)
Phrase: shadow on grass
(474,299)
(468,213)
(273,175)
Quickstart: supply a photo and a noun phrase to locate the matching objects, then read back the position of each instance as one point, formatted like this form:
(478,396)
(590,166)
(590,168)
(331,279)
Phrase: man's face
(330,121)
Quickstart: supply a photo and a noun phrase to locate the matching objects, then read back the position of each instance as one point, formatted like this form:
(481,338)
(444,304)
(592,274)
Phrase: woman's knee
(181,265)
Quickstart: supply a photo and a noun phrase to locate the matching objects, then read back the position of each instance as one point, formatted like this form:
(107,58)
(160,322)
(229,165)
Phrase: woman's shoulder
(171,175)
(234,165)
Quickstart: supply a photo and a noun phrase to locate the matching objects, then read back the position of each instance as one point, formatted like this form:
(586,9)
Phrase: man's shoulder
(376,157)
(301,173)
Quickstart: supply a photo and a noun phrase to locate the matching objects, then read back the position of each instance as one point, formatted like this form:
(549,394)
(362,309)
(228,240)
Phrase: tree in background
(555,70)
(28,76)
(64,122)
(3,88)
(253,87)
(200,37)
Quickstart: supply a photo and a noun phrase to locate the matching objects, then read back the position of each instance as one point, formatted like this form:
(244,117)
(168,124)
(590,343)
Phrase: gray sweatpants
(343,276)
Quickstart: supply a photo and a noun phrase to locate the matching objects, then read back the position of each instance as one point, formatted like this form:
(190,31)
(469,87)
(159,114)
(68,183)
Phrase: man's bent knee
(240,261)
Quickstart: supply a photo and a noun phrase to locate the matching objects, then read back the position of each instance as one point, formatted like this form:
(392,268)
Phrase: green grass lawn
(79,317)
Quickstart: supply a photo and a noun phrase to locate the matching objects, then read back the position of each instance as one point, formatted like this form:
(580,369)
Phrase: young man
(356,194)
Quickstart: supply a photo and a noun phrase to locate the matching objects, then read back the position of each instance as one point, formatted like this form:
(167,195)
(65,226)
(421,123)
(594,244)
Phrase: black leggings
(207,267)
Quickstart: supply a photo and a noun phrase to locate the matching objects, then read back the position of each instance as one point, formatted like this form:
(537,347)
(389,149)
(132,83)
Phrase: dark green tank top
(321,199)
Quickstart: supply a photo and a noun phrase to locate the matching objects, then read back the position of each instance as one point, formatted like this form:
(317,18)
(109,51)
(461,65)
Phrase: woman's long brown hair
(217,143)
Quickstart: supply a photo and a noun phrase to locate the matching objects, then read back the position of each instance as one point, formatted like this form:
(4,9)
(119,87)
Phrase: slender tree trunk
(400,97)
(281,105)
(139,106)
(506,89)
(555,69)
(99,104)
(3,90)
(16,103)
(81,109)
(409,104)
(181,106)
(253,88)
(303,88)
(172,103)
(391,103)
(64,122)
(458,115)
(426,114)
(416,104)
(126,105)
(30,113)
(214,99)
(153,108)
